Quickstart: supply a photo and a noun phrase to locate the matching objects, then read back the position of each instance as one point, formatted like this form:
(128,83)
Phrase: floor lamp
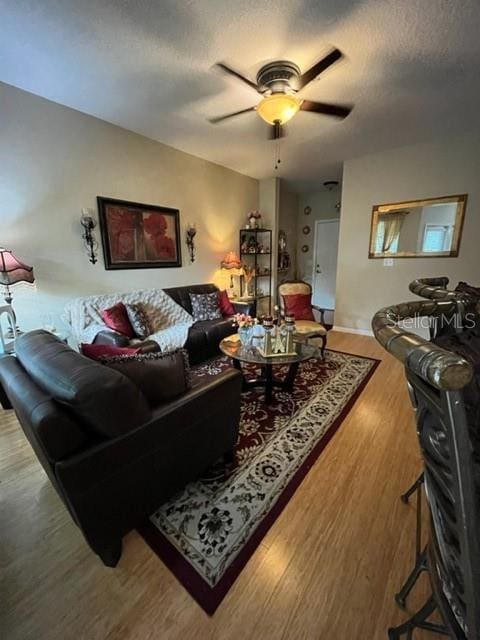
(13,271)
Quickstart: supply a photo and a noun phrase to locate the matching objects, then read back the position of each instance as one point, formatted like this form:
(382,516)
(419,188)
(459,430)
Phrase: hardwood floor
(327,569)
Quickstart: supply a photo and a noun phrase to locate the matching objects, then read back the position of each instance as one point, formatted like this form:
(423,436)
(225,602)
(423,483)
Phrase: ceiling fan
(279,83)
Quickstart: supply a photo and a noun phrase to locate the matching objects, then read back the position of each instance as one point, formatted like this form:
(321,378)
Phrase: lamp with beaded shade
(12,271)
(233,265)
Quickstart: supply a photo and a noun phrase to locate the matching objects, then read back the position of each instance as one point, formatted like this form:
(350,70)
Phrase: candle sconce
(91,244)
(191,232)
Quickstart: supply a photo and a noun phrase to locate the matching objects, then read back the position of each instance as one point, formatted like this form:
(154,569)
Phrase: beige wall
(54,161)
(451,166)
(269,195)
(287,221)
(323,207)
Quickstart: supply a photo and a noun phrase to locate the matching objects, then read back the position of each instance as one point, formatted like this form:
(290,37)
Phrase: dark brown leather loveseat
(203,338)
(112,458)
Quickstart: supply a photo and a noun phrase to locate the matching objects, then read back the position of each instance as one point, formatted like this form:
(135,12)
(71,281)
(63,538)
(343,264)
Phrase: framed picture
(139,236)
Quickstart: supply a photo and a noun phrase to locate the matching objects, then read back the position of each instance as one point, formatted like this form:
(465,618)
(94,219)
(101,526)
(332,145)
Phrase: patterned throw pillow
(138,320)
(159,376)
(205,306)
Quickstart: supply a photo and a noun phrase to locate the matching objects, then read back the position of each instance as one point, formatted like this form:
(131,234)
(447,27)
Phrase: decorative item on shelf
(255,247)
(307,211)
(252,246)
(190,233)
(233,265)
(12,271)
(254,218)
(306,230)
(248,274)
(305,248)
(91,244)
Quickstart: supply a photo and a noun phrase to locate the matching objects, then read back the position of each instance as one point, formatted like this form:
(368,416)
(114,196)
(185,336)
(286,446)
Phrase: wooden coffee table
(233,348)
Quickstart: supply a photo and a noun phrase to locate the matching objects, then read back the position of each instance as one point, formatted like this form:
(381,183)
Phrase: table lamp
(13,271)
(232,263)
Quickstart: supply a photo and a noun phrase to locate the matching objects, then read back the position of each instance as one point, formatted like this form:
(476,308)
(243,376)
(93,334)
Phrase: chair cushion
(103,400)
(160,376)
(307,326)
(116,318)
(138,320)
(205,306)
(226,307)
(299,305)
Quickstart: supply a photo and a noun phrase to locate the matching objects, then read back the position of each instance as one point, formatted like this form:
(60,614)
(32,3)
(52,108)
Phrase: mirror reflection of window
(421,227)
(437,238)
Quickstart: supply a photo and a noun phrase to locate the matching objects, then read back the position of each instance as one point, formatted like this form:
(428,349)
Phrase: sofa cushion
(226,307)
(160,376)
(103,400)
(116,318)
(205,306)
(138,320)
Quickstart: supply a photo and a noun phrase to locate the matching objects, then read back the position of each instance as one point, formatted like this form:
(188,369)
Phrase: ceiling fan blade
(317,69)
(230,115)
(336,110)
(276,131)
(235,74)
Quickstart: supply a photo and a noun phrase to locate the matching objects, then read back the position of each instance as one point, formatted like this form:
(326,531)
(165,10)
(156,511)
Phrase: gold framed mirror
(429,228)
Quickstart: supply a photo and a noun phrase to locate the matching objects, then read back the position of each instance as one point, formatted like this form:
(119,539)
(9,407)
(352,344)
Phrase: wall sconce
(91,245)
(191,232)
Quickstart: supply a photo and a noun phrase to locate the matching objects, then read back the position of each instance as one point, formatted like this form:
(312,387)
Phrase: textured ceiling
(411,69)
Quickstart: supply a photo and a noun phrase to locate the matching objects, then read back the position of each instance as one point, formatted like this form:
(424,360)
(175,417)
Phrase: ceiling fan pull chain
(277,154)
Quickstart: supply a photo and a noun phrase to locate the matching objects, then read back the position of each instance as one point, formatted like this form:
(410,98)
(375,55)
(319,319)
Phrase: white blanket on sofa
(169,322)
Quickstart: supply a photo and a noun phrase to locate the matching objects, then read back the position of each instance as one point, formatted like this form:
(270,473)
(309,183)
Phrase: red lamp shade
(12,270)
(231,261)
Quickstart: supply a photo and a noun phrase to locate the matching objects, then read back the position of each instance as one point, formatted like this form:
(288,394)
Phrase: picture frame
(139,236)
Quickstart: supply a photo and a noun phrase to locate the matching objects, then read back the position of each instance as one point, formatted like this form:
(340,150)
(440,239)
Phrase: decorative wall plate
(307,211)
(306,230)
(305,248)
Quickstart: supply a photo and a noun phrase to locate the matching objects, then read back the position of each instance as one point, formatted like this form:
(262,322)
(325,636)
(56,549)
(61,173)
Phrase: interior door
(325,263)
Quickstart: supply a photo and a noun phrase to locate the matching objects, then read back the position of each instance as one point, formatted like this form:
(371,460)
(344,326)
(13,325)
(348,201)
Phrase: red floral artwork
(139,235)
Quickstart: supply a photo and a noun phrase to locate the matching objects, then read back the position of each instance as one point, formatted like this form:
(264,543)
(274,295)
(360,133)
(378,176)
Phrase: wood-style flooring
(327,569)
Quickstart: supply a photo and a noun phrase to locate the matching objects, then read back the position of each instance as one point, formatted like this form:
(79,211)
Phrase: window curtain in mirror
(392,225)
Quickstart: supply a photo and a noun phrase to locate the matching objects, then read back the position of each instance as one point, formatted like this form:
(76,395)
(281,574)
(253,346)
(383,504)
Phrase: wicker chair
(306,329)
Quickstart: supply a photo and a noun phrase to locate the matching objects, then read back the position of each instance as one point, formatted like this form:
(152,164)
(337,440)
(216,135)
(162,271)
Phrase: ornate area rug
(207,533)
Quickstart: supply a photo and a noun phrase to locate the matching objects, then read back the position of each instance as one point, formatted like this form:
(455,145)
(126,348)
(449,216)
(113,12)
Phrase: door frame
(314,266)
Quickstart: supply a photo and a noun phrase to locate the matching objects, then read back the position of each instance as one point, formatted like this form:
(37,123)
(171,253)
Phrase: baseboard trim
(360,332)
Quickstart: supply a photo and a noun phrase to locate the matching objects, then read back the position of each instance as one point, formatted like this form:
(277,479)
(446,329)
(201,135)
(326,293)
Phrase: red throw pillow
(116,318)
(299,305)
(224,304)
(98,351)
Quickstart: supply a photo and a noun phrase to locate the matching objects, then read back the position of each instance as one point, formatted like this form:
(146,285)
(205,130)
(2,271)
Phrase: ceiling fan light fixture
(279,107)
